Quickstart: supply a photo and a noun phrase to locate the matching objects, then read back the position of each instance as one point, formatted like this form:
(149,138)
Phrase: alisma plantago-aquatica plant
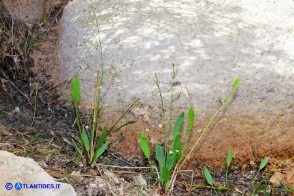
(175,156)
(94,146)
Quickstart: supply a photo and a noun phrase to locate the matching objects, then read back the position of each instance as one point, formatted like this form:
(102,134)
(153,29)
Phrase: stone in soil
(15,169)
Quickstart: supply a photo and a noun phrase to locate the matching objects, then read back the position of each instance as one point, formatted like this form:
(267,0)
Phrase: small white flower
(16,109)
(160,125)
(147,129)
(199,130)
(170,152)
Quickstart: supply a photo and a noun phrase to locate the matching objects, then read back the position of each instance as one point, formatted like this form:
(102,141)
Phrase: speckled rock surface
(29,11)
(210,42)
(14,169)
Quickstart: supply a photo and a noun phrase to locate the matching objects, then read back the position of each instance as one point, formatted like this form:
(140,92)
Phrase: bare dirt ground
(40,125)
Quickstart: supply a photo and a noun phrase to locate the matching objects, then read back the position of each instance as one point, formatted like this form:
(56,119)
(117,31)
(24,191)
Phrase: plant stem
(80,131)
(161,100)
(35,106)
(207,126)
(227,175)
(170,109)
(171,98)
(204,131)
(96,116)
(252,185)
(151,168)
(77,118)
(125,113)
(215,190)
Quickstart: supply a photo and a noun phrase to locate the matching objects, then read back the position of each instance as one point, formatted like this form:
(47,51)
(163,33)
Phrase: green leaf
(101,138)
(144,144)
(166,185)
(177,147)
(99,152)
(191,117)
(37,86)
(165,177)
(85,140)
(226,100)
(43,17)
(222,188)
(208,176)
(75,89)
(236,84)
(170,162)
(229,158)
(178,124)
(234,88)
(127,123)
(78,149)
(160,157)
(263,163)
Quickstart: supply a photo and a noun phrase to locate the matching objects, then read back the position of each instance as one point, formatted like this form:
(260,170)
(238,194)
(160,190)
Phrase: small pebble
(276,179)
(16,109)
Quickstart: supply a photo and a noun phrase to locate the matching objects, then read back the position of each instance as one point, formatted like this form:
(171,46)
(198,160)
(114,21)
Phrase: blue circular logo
(8,186)
(18,186)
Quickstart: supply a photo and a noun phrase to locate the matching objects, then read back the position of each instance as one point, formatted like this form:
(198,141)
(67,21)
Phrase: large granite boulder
(34,180)
(210,43)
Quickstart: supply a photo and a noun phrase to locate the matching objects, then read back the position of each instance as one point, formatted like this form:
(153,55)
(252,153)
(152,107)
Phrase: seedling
(261,166)
(229,160)
(168,159)
(145,146)
(208,178)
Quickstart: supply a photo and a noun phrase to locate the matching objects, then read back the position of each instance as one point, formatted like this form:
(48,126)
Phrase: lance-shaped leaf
(263,163)
(99,152)
(208,176)
(144,144)
(177,147)
(170,161)
(229,158)
(191,117)
(160,157)
(75,89)
(178,125)
(234,88)
(165,178)
(85,140)
(101,138)
(236,84)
